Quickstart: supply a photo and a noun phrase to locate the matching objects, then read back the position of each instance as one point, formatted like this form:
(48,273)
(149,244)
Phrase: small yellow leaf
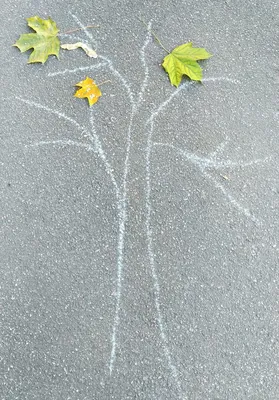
(88,90)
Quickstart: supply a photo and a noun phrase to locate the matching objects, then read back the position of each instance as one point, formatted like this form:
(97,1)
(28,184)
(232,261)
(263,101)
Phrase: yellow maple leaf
(88,90)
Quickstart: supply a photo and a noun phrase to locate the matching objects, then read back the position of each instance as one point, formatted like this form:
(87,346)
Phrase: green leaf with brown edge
(44,42)
(183,61)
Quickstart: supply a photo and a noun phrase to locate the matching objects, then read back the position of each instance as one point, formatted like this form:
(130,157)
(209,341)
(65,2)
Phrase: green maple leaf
(44,42)
(183,61)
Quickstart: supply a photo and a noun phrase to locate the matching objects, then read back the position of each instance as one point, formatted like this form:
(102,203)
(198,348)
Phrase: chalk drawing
(156,285)
(205,164)
(154,274)
(94,139)
(62,143)
(123,213)
(122,198)
(110,64)
(100,151)
(183,86)
(59,114)
(149,238)
(145,66)
(87,33)
(221,79)
(231,199)
(219,149)
(120,247)
(74,70)
(120,78)
(122,218)
(74,37)
(160,108)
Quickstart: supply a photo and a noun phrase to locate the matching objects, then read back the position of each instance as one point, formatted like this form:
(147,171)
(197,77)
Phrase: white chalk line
(109,62)
(160,108)
(145,66)
(59,114)
(79,69)
(219,149)
(155,113)
(120,247)
(102,155)
(124,217)
(87,33)
(149,233)
(62,143)
(117,74)
(122,205)
(156,285)
(94,139)
(231,199)
(205,164)
(182,87)
(73,36)
(221,79)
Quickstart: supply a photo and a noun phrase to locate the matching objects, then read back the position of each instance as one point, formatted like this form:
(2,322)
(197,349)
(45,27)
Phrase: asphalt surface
(139,238)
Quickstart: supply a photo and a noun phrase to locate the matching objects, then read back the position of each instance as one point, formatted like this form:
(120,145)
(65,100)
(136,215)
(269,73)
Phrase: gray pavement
(139,238)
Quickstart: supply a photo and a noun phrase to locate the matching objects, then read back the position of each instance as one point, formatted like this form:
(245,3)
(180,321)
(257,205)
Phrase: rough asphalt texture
(179,274)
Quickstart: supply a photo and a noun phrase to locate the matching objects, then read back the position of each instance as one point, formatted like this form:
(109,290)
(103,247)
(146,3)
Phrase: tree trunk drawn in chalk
(206,165)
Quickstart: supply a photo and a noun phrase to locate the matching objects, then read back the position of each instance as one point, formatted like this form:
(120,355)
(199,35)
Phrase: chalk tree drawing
(92,143)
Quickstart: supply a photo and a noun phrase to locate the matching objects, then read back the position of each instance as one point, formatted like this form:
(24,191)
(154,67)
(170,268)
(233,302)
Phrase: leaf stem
(79,29)
(107,81)
(154,34)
